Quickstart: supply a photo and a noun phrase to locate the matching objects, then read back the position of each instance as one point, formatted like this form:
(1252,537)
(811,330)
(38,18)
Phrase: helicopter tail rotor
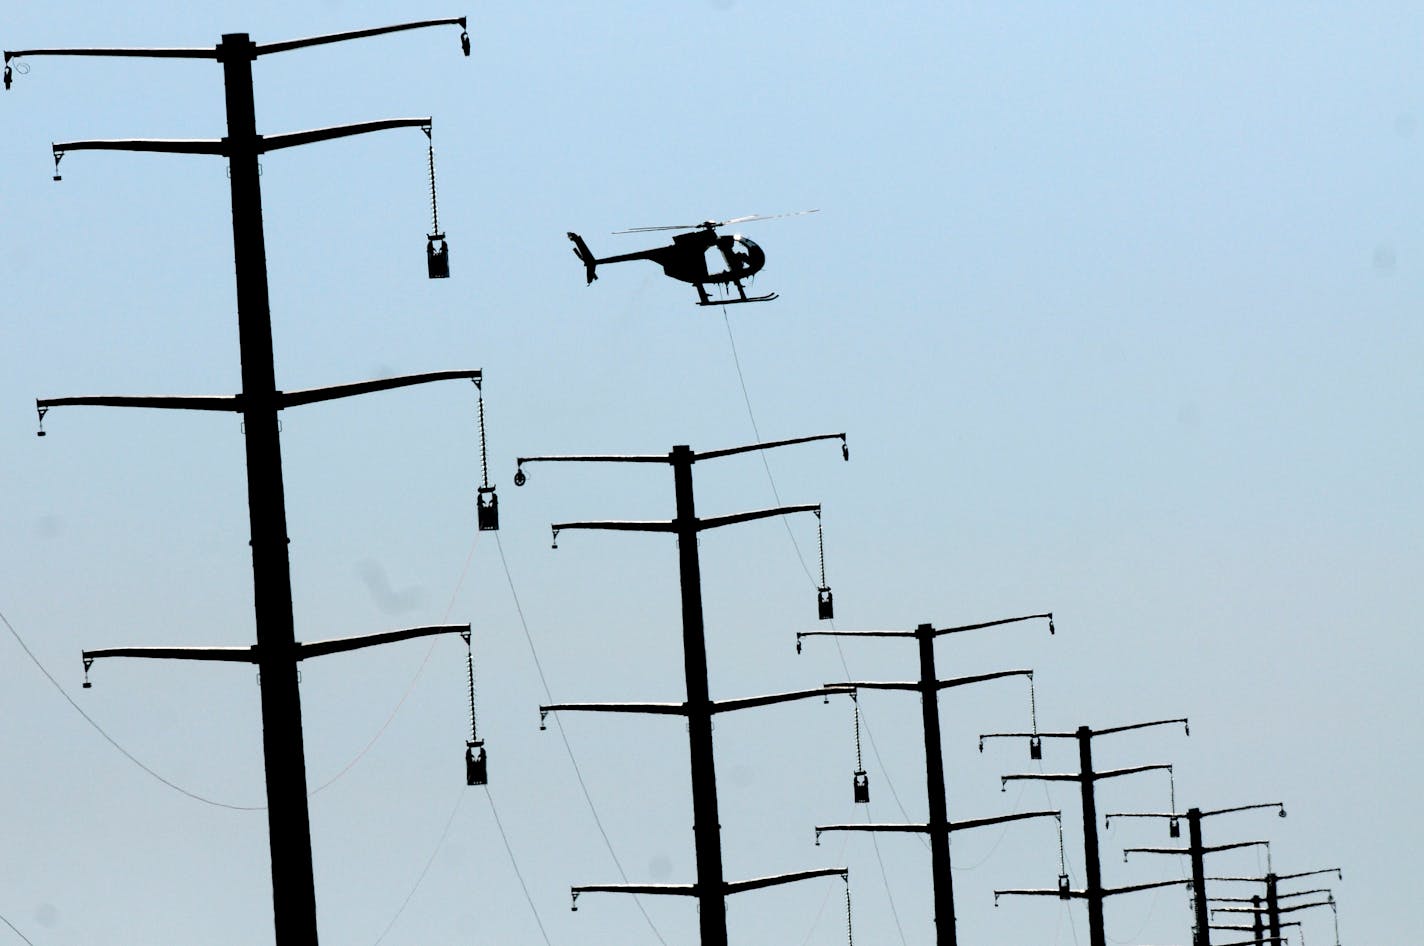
(582,252)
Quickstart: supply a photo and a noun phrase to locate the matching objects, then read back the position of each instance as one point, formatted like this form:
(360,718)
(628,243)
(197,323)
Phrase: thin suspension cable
(27,939)
(212,801)
(517,873)
(470,673)
(855,702)
(110,739)
(444,833)
(751,415)
(410,687)
(840,652)
(568,747)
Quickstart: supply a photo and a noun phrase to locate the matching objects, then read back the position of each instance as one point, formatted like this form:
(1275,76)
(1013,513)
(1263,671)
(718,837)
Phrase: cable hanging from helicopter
(686,258)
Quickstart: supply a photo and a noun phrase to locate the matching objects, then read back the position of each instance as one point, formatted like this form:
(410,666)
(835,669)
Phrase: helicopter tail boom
(582,252)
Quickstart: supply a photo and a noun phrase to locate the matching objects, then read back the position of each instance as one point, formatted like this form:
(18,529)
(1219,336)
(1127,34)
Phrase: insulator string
(470,673)
(484,458)
(821,545)
(855,702)
(434,210)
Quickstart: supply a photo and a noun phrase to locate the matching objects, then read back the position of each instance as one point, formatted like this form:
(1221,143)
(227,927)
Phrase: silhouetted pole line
(711,888)
(1273,897)
(1086,777)
(939,826)
(1198,851)
(276,652)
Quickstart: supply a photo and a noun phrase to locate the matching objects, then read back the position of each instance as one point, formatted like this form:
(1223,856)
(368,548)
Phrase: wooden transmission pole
(1197,849)
(938,826)
(1087,778)
(276,652)
(711,888)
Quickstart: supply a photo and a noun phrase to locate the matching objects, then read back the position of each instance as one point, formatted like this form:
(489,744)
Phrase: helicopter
(686,258)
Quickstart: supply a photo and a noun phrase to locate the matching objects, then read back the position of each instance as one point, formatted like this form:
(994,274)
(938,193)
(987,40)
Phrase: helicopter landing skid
(766,298)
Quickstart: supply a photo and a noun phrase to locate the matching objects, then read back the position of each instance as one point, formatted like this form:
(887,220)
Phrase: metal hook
(42,411)
(543,715)
(818,837)
(556,539)
(88,662)
(519,478)
(574,903)
(1050,624)
(58,156)
(8,77)
(465,41)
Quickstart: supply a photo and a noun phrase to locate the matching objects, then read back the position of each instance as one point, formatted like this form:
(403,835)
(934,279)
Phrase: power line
(568,748)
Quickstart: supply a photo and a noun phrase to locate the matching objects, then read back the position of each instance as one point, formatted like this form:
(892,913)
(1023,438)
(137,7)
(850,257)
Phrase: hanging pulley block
(437,257)
(1174,828)
(860,787)
(1064,890)
(825,608)
(1035,747)
(476,763)
(487,509)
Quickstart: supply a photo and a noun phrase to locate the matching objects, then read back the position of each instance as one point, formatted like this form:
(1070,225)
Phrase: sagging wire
(445,833)
(563,736)
(110,739)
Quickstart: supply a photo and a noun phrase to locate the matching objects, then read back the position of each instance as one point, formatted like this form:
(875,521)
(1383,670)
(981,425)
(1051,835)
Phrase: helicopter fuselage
(686,260)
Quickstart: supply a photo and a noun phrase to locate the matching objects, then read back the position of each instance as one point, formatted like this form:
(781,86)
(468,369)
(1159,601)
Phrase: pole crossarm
(1078,776)
(211,52)
(236,403)
(657,709)
(904,828)
(246,654)
(263,49)
(937,632)
(253,653)
(1107,819)
(1082,894)
(198,52)
(683,709)
(1091,732)
(939,684)
(759,883)
(748,702)
(1279,877)
(668,525)
(232,403)
(728,887)
(667,458)
(164,145)
(260,144)
(1299,906)
(314,395)
(1206,849)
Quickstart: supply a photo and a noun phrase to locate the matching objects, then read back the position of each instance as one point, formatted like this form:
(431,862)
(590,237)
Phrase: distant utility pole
(939,826)
(1198,851)
(1087,778)
(1272,909)
(711,888)
(276,652)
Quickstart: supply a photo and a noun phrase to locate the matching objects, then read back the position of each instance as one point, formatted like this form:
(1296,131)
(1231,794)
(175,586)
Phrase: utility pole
(276,652)
(939,826)
(1087,778)
(1198,851)
(1272,909)
(711,888)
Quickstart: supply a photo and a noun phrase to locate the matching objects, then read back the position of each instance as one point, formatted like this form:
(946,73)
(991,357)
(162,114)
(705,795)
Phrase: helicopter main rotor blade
(714,224)
(689,226)
(794,213)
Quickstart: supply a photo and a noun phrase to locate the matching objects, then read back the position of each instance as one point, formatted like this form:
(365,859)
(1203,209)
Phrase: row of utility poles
(277,652)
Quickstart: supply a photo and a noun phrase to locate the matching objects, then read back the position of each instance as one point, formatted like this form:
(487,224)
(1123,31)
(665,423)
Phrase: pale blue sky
(1118,304)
